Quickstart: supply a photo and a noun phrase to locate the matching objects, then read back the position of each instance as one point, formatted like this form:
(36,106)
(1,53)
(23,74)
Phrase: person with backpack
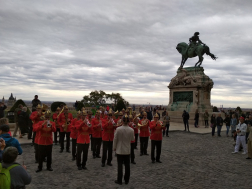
(10,141)
(2,146)
(12,174)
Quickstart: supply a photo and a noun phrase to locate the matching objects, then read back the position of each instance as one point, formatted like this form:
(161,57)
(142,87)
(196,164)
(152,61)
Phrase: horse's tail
(207,50)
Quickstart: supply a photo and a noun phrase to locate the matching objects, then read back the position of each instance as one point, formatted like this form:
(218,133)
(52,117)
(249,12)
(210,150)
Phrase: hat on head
(123,109)
(39,106)
(156,115)
(66,108)
(84,113)
(144,113)
(130,117)
(110,111)
(120,114)
(58,108)
(242,117)
(79,112)
(48,113)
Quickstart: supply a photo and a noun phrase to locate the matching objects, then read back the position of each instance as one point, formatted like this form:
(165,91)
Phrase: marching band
(99,131)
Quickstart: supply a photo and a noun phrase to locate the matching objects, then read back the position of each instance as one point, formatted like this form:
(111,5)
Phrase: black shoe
(146,154)
(141,154)
(84,167)
(248,158)
(159,161)
(68,151)
(133,162)
(94,157)
(38,170)
(116,181)
(79,168)
(109,164)
(98,156)
(73,158)
(103,164)
(126,182)
(60,151)
(153,161)
(49,169)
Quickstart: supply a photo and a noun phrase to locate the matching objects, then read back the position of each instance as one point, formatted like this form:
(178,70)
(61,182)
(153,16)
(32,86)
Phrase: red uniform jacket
(156,131)
(108,131)
(131,125)
(74,131)
(62,120)
(136,122)
(44,133)
(55,119)
(83,133)
(144,131)
(97,130)
(35,119)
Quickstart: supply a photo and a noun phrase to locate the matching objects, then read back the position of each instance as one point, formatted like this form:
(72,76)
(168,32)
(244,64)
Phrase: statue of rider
(193,40)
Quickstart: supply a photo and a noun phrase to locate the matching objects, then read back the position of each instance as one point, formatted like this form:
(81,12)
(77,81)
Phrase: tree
(120,105)
(55,105)
(11,117)
(215,109)
(100,98)
(80,106)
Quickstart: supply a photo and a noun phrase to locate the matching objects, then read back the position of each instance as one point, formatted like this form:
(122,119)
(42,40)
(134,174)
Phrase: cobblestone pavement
(189,161)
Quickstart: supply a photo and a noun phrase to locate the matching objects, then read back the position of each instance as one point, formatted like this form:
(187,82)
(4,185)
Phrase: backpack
(5,178)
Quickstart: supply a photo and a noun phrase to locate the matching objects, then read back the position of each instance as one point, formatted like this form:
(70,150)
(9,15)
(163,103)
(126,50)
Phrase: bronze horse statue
(193,51)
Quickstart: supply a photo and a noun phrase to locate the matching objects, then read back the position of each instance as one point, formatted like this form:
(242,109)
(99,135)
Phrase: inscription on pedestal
(183,96)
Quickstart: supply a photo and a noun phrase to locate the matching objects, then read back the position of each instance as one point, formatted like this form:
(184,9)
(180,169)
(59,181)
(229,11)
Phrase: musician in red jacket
(65,128)
(35,118)
(108,126)
(144,134)
(74,133)
(132,147)
(83,140)
(156,127)
(55,119)
(119,120)
(89,117)
(44,131)
(135,120)
(97,134)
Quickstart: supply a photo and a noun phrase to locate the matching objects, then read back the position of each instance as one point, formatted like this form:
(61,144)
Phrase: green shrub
(55,105)
(120,105)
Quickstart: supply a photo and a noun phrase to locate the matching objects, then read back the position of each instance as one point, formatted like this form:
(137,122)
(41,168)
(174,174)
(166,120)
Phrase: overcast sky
(63,50)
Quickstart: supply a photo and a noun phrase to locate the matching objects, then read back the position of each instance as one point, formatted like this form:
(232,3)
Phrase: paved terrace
(190,160)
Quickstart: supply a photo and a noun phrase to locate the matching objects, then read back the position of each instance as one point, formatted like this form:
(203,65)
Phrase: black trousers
(30,132)
(167,129)
(132,153)
(136,139)
(186,124)
(123,159)
(97,146)
(33,137)
(62,138)
(74,140)
(45,151)
(55,135)
(107,148)
(156,144)
(213,130)
(82,148)
(144,144)
(36,151)
(206,123)
(92,142)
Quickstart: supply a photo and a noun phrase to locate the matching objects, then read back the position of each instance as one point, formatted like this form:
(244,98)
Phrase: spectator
(5,121)
(241,134)
(227,121)
(134,107)
(76,105)
(16,113)
(2,146)
(10,141)
(186,117)
(166,122)
(19,176)
(2,108)
(23,122)
(249,130)
(213,124)
(219,123)
(158,114)
(122,142)
(206,116)
(233,123)
(149,114)
(196,118)
(35,103)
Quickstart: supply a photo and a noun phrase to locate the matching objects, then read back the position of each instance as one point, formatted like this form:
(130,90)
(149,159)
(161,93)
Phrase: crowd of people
(102,127)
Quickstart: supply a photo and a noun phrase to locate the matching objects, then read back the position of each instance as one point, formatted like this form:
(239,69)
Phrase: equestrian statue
(195,48)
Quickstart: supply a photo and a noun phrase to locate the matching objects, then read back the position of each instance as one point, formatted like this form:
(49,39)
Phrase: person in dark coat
(35,103)
(219,123)
(186,117)
(23,121)
(2,108)
(213,124)
(196,118)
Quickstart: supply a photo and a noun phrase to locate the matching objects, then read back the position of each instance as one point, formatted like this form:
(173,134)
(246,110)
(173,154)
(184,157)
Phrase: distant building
(11,101)
(3,99)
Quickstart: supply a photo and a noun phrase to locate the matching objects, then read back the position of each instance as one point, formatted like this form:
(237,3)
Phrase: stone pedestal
(190,90)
